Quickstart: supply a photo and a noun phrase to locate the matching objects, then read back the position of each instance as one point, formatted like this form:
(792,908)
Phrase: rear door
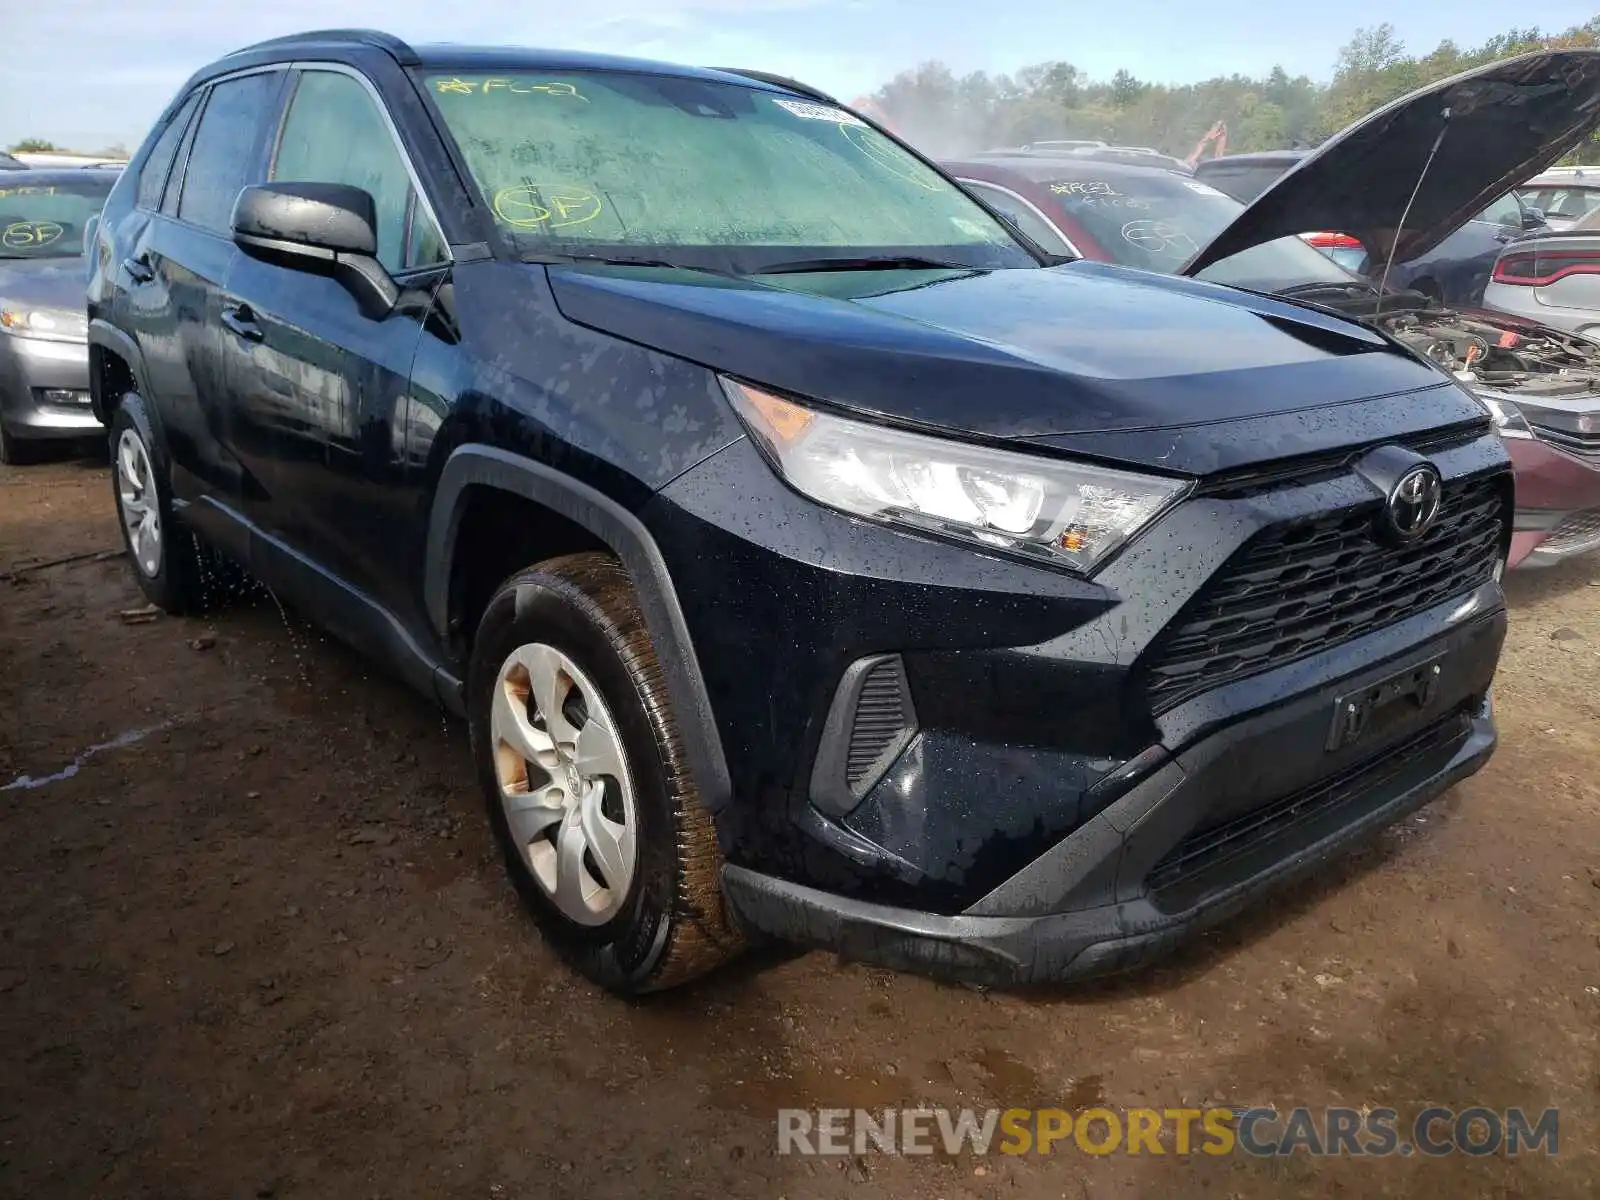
(174,272)
(320,388)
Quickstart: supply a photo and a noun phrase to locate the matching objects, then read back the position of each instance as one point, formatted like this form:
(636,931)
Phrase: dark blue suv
(811,555)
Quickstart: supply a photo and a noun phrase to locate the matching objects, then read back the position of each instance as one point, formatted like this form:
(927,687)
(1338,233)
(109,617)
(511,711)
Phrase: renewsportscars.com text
(1257,1131)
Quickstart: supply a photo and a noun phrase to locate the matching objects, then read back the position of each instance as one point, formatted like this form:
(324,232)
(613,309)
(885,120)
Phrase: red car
(1541,385)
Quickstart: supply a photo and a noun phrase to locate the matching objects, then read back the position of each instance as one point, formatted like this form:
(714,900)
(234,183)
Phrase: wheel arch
(474,466)
(116,366)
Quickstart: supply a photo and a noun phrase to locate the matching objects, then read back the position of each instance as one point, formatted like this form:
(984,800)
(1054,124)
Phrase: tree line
(946,114)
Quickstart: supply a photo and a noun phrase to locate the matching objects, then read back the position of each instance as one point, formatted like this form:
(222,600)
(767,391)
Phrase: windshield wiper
(1324,287)
(557,258)
(878,262)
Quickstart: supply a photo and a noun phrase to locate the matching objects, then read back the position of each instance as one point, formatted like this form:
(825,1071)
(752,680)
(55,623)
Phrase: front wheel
(582,766)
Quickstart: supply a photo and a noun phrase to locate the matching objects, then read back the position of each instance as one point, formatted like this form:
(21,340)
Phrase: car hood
(1080,349)
(53,282)
(1501,124)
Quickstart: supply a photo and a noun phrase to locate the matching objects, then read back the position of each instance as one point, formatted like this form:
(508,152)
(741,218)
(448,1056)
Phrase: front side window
(158,163)
(702,173)
(48,218)
(334,133)
(223,152)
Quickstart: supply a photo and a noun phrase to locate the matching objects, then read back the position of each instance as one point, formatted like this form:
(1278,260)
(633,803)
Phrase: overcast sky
(86,73)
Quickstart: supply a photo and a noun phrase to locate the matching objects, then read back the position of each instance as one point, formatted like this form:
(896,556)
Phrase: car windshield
(1158,221)
(1568,203)
(704,174)
(46,218)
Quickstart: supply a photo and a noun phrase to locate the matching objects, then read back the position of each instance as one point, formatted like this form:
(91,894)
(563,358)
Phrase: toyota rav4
(810,554)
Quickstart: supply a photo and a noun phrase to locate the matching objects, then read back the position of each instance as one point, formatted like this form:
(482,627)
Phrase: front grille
(1210,850)
(1302,586)
(1577,531)
(1585,444)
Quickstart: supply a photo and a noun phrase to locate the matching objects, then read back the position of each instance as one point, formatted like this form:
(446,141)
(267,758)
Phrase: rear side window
(1030,222)
(222,157)
(1505,211)
(334,133)
(153,176)
(1244,184)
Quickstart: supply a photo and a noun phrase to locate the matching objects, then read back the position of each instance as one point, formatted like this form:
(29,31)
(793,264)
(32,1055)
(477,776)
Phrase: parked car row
(818,548)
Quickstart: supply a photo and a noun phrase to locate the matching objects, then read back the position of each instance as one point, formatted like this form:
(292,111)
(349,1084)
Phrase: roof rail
(783,81)
(400,51)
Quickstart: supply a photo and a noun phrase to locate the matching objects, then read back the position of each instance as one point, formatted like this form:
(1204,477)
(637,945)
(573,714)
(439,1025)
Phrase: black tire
(15,451)
(672,925)
(175,587)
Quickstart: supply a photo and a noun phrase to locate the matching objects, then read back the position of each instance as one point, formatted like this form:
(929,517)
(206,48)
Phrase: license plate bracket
(1369,710)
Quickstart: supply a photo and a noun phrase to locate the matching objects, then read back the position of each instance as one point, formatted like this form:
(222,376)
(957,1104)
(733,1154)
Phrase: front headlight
(52,324)
(1068,514)
(1508,419)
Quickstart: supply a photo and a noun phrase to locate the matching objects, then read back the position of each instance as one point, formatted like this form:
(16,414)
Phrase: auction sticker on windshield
(819,112)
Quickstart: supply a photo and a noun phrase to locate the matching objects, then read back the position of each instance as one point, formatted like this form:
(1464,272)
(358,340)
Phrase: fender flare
(475,464)
(108,337)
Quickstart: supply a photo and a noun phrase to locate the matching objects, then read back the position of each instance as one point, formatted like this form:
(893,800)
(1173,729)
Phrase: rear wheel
(582,766)
(163,554)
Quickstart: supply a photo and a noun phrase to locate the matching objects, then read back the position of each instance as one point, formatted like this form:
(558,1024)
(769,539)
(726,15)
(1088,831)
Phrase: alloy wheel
(564,783)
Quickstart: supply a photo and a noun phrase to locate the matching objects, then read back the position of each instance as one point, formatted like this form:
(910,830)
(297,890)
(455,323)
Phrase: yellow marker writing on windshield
(552,206)
(30,235)
(882,153)
(517,87)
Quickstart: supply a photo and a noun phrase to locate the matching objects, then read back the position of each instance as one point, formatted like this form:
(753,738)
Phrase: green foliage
(34,146)
(947,115)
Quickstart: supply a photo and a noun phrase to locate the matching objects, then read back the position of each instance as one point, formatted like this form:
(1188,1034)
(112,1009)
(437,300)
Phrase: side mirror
(1532,218)
(326,228)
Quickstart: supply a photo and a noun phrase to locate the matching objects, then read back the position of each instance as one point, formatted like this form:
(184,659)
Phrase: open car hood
(1501,124)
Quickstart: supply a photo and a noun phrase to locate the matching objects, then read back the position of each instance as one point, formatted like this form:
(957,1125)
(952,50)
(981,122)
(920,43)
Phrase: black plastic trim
(986,947)
(830,784)
(347,612)
(108,337)
(488,466)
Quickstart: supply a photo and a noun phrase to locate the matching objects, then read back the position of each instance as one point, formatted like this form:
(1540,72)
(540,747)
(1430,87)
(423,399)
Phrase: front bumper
(31,369)
(1558,504)
(1188,845)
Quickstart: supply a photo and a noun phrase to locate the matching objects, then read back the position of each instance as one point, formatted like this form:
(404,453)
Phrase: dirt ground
(266,951)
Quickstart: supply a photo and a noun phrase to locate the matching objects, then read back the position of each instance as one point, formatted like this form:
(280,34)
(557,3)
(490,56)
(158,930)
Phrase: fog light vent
(872,720)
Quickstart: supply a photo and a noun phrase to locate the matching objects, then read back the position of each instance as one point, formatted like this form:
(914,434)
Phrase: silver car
(44,352)
(1553,278)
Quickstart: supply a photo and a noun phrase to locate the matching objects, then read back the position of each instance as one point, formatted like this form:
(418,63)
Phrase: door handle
(139,269)
(242,321)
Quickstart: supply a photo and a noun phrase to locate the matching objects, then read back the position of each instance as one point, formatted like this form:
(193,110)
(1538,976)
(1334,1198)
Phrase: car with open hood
(810,555)
(1542,383)
(44,348)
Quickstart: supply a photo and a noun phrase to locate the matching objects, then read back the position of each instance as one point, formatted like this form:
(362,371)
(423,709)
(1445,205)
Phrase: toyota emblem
(1414,503)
